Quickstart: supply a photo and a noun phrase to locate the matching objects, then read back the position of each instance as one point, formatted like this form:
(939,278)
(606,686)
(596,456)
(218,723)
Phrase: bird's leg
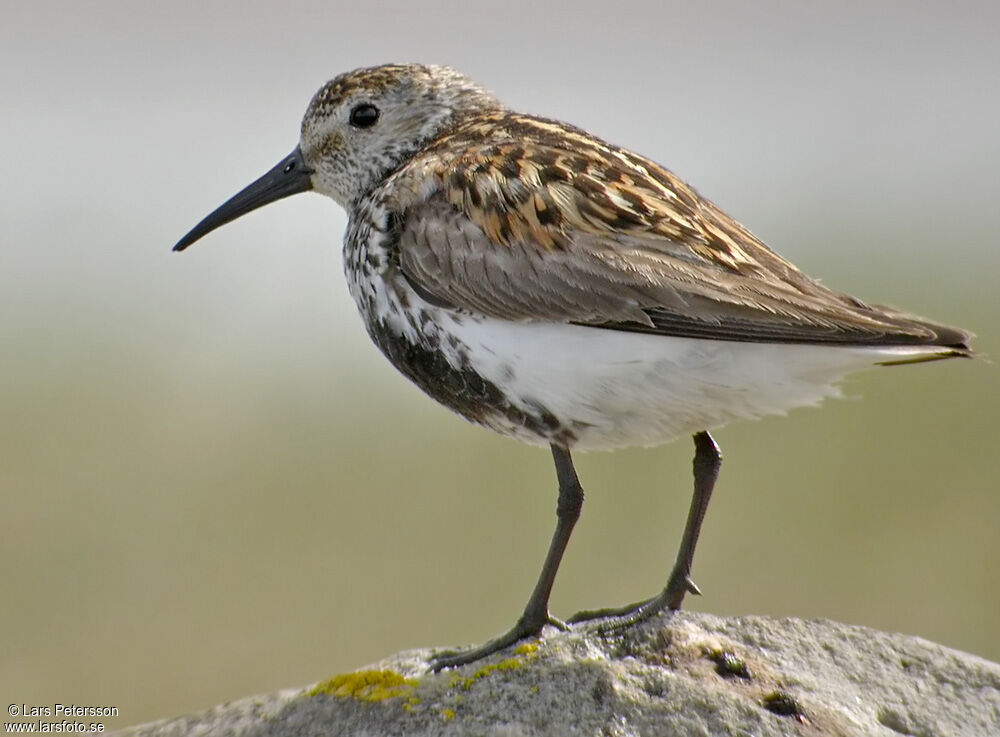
(536,612)
(707,461)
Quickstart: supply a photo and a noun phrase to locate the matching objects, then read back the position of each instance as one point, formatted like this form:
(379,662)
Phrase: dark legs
(707,461)
(536,612)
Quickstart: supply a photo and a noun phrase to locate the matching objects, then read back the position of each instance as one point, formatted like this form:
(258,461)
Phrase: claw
(520,631)
(558,623)
(457,658)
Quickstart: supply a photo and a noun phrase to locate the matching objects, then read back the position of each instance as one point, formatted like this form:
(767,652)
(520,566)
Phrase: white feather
(616,388)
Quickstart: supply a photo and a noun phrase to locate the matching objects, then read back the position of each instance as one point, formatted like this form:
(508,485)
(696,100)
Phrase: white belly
(615,388)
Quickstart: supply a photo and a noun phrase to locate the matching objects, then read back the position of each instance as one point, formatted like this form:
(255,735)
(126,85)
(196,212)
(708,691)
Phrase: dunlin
(561,290)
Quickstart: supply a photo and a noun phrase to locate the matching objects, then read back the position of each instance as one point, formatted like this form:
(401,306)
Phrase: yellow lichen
(447,714)
(527,649)
(368,685)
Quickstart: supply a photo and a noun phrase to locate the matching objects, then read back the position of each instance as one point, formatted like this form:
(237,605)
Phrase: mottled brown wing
(585,233)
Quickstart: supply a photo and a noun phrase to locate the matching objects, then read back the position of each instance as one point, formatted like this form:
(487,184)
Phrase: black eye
(364,115)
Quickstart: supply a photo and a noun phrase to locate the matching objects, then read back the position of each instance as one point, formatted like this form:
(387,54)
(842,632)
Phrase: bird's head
(358,128)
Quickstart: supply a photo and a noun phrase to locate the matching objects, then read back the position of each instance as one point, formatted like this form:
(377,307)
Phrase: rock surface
(678,674)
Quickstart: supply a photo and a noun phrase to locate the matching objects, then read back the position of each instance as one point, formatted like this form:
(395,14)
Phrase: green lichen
(728,665)
(368,685)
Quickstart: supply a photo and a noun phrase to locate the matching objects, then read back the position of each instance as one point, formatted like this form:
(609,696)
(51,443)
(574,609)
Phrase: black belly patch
(463,390)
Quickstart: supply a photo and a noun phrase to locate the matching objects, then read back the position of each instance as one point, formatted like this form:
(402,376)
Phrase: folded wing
(556,225)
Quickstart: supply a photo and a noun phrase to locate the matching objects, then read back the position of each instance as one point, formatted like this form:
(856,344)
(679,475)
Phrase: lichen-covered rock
(678,674)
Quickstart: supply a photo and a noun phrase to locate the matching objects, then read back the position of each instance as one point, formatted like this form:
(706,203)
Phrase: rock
(678,674)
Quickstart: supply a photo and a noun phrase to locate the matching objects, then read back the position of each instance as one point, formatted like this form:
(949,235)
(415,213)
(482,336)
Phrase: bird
(566,292)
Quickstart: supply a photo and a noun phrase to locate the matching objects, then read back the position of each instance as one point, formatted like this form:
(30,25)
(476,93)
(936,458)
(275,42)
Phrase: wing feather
(532,220)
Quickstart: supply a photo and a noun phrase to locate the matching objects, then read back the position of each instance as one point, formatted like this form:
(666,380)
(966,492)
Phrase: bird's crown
(363,124)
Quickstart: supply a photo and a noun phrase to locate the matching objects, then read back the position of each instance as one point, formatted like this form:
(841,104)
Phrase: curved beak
(289,177)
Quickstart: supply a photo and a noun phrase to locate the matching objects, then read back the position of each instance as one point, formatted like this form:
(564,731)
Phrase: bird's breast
(422,339)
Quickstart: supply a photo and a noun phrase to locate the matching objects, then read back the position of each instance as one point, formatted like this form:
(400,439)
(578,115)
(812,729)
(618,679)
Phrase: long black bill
(289,177)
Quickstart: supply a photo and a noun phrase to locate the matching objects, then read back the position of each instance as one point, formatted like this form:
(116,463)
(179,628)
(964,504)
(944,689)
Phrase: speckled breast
(404,327)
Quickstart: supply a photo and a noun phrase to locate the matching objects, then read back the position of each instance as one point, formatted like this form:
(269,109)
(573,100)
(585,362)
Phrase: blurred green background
(211,485)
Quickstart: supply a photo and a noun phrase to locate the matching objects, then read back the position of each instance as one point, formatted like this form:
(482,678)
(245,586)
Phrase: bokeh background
(211,485)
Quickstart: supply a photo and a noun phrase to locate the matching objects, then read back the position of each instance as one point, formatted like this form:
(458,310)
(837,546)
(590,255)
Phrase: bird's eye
(364,115)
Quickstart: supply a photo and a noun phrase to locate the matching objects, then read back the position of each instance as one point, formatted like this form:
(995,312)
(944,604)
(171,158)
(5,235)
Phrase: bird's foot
(589,615)
(525,628)
(620,618)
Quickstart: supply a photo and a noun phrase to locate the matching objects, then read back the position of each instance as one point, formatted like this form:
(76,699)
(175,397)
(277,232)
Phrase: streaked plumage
(521,218)
(562,290)
(503,219)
